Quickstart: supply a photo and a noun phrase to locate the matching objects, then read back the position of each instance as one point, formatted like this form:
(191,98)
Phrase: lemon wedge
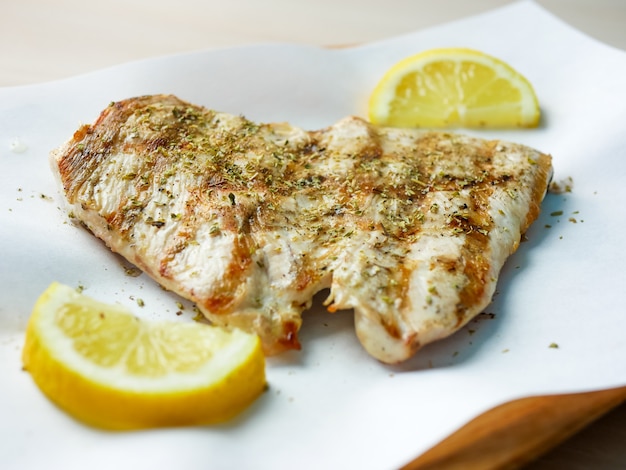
(112,370)
(453,87)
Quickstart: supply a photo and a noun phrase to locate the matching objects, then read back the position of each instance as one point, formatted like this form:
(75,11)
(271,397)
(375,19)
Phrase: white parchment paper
(331,405)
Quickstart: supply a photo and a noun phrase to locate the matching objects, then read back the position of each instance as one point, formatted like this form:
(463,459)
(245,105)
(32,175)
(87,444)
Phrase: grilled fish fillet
(409,228)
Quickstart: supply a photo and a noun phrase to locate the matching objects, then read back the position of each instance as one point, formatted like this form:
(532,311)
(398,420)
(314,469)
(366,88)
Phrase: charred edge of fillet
(90,145)
(544,175)
(289,337)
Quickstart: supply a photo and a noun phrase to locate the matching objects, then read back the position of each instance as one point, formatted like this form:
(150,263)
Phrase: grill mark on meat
(233,280)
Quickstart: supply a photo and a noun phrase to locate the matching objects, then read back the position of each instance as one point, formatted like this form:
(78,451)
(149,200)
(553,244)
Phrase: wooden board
(515,433)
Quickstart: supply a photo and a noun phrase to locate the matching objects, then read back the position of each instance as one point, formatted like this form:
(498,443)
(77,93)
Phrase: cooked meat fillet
(409,228)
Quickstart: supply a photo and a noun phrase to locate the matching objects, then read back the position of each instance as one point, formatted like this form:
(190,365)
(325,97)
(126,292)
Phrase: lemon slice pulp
(112,370)
(453,87)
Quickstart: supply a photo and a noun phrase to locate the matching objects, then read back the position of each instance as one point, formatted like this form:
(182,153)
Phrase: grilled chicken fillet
(409,228)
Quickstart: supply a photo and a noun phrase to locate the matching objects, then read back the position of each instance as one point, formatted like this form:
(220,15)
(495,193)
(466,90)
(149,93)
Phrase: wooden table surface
(44,40)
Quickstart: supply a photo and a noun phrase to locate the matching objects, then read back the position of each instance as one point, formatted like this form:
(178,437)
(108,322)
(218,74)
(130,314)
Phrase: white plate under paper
(331,405)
